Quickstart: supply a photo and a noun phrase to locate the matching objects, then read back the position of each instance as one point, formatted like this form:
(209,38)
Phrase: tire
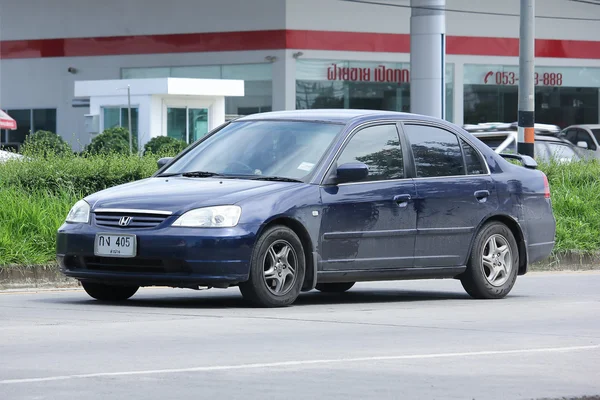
(478,280)
(270,283)
(340,287)
(104,292)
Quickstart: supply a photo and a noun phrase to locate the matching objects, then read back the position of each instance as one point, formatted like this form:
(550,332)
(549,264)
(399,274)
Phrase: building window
(563,95)
(361,85)
(187,124)
(119,117)
(258,85)
(28,121)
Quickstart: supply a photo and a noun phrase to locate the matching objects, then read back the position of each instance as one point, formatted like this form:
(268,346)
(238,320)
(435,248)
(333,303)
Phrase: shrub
(112,140)
(44,143)
(164,146)
(83,175)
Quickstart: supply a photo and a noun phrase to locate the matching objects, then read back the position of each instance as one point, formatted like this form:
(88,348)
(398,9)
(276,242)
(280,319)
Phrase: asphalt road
(396,340)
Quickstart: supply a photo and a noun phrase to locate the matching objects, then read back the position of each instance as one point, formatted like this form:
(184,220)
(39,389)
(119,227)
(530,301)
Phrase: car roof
(538,138)
(343,116)
(589,126)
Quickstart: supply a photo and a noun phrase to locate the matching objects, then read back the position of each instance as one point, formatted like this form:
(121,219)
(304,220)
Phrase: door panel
(454,194)
(449,211)
(366,226)
(370,224)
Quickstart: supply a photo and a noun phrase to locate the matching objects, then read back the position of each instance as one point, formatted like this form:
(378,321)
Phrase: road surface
(392,340)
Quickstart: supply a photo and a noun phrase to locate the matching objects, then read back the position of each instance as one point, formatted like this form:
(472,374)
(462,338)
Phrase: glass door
(197,123)
(187,124)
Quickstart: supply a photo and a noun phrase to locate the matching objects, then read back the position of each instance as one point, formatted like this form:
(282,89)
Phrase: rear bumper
(539,251)
(177,257)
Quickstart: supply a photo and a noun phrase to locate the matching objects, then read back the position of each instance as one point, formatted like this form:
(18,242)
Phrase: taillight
(546,187)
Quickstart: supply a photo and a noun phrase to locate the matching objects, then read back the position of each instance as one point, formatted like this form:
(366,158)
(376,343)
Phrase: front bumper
(177,257)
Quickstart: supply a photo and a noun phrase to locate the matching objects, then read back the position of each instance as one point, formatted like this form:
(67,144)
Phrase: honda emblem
(124,221)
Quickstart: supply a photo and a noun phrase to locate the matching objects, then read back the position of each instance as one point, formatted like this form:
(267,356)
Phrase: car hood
(178,194)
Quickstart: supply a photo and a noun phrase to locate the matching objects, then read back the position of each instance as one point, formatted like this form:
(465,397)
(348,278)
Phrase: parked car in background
(584,136)
(283,202)
(546,146)
(9,155)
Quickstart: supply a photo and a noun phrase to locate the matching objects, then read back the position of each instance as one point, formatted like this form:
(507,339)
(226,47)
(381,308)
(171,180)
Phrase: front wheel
(104,292)
(494,263)
(276,270)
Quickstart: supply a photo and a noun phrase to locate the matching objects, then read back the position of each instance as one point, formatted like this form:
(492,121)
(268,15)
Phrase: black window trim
(329,170)
(458,136)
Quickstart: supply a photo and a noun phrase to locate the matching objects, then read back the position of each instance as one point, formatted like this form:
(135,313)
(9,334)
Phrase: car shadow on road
(216,298)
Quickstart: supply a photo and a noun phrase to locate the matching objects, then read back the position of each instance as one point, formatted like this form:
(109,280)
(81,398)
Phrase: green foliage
(44,143)
(112,141)
(84,174)
(164,146)
(575,194)
(29,224)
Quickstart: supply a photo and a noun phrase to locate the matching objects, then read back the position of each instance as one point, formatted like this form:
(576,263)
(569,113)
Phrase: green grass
(29,224)
(35,197)
(575,193)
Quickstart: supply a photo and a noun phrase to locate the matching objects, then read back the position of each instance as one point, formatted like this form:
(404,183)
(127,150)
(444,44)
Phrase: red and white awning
(6,122)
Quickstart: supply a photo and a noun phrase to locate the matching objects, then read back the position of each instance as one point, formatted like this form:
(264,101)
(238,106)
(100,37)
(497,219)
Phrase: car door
(455,192)
(370,224)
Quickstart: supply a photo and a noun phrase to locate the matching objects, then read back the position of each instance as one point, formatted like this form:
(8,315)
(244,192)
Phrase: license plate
(110,245)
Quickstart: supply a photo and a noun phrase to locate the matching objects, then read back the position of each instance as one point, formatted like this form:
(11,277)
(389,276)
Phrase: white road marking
(299,363)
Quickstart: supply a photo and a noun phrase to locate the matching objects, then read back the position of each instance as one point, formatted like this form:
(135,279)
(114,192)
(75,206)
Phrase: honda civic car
(281,203)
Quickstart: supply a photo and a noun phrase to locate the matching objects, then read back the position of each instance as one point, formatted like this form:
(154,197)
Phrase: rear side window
(437,152)
(473,162)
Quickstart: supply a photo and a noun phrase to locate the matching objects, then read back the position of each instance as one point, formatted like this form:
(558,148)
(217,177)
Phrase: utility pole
(428,57)
(526,79)
(129,119)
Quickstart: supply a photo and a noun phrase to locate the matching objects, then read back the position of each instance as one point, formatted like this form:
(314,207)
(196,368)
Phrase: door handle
(402,199)
(482,195)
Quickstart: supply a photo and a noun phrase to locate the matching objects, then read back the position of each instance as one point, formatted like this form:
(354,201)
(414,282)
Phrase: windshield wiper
(276,179)
(199,174)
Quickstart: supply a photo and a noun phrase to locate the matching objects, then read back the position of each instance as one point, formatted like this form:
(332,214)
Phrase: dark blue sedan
(284,202)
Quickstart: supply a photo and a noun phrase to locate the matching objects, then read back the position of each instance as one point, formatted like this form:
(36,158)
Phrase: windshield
(253,149)
(596,133)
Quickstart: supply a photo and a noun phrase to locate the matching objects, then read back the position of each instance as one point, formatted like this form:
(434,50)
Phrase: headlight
(210,217)
(80,213)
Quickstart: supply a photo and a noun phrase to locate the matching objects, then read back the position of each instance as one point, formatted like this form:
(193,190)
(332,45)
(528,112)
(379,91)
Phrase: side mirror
(582,144)
(164,161)
(351,172)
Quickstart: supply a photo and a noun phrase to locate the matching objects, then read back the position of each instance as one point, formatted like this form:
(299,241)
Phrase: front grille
(108,264)
(135,221)
(139,265)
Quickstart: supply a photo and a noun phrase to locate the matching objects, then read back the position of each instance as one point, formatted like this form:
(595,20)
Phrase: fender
(520,238)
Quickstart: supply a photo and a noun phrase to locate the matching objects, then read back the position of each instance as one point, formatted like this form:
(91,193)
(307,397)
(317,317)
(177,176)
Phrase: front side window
(436,151)
(379,148)
(253,149)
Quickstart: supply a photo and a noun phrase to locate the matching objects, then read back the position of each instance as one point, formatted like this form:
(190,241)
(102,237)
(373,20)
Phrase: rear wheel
(340,287)
(494,263)
(276,270)
(104,292)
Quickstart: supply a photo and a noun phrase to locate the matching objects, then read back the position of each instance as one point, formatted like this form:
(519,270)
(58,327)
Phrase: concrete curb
(48,276)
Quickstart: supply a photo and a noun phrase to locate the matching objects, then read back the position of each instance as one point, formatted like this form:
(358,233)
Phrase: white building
(290,54)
